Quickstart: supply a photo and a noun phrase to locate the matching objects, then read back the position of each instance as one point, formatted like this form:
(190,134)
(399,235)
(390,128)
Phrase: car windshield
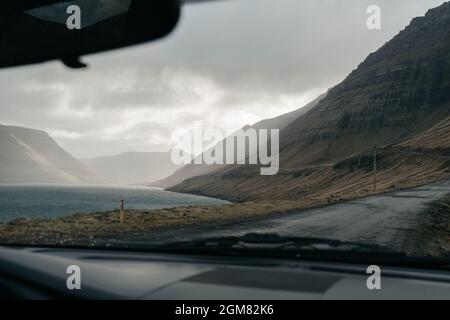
(281,128)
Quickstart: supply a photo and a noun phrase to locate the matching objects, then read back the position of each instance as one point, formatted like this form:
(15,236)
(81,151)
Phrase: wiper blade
(317,249)
(256,241)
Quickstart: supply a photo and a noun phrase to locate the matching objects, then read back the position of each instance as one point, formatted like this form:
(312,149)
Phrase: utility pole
(375,168)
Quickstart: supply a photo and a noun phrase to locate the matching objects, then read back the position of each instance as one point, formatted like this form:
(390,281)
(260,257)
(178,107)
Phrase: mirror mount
(74,62)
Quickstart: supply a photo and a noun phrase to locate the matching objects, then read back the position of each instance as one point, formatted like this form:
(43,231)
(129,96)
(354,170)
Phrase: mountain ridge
(32,156)
(398,92)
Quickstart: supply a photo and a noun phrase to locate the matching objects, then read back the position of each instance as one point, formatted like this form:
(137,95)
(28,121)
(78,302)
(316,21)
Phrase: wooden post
(121,212)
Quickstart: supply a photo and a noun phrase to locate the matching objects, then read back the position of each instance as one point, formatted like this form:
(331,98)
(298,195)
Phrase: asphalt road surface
(385,220)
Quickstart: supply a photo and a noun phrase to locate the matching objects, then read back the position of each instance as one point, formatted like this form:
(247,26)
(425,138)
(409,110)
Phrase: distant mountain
(193,170)
(398,98)
(133,167)
(32,156)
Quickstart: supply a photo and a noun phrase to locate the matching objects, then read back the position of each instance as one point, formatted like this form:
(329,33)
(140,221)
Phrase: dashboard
(44,273)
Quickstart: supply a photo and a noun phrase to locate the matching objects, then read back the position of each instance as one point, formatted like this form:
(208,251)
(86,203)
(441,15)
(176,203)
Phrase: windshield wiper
(268,239)
(255,242)
(319,249)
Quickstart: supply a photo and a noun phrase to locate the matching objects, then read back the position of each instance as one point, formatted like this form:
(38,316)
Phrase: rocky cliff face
(400,91)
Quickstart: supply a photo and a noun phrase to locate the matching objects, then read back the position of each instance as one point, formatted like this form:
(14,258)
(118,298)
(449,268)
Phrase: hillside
(400,90)
(193,170)
(403,165)
(397,99)
(32,156)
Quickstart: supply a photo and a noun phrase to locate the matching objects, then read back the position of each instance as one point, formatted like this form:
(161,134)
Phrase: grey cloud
(227,63)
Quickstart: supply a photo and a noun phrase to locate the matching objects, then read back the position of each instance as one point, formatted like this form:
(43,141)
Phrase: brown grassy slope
(421,159)
(344,180)
(436,138)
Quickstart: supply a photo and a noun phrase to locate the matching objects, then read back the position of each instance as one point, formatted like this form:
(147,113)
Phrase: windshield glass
(279,125)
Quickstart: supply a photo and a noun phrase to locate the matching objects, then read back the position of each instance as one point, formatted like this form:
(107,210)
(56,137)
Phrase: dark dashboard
(42,273)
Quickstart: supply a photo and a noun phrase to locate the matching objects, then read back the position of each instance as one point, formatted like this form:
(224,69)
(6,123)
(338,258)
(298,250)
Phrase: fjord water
(50,200)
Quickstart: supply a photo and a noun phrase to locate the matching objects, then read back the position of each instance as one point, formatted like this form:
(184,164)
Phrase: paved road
(383,219)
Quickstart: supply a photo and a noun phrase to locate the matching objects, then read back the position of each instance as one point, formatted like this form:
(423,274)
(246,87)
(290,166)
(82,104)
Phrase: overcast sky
(228,64)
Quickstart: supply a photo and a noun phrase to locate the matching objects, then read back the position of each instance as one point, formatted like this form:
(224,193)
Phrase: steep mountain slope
(421,159)
(133,167)
(193,170)
(398,93)
(400,90)
(286,119)
(437,138)
(32,156)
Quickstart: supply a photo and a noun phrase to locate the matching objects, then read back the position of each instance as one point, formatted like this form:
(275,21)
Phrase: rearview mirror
(70,29)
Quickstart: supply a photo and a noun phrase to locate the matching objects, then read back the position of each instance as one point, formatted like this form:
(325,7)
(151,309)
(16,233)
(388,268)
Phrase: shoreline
(48,201)
(104,228)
